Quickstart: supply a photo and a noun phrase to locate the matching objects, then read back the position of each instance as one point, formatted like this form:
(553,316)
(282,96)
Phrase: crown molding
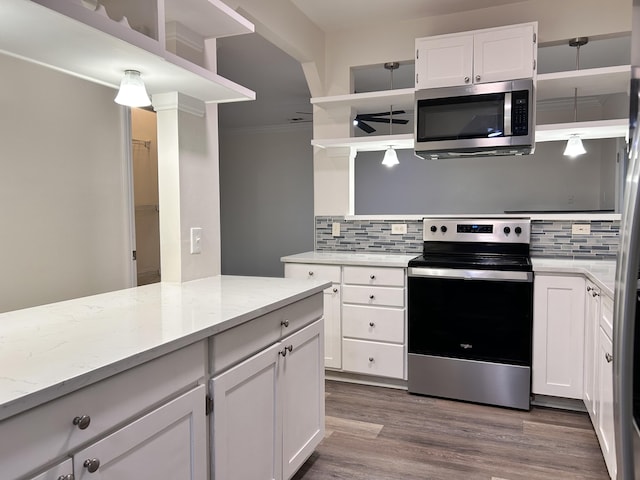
(178,101)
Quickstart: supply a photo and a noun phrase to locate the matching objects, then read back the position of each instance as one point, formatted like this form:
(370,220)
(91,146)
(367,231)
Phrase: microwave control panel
(520,112)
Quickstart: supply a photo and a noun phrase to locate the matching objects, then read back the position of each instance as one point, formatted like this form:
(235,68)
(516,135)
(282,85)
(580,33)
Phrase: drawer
(373,358)
(309,270)
(373,323)
(238,343)
(389,296)
(385,276)
(606,315)
(46,433)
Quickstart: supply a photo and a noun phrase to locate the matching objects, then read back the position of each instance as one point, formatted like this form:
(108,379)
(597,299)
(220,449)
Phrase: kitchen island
(129,354)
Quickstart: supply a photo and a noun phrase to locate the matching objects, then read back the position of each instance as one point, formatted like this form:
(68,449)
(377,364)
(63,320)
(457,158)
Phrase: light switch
(398,228)
(335,229)
(581,228)
(196,240)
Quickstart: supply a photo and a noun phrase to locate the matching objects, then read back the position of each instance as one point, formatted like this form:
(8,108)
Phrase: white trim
(129,201)
(178,32)
(178,101)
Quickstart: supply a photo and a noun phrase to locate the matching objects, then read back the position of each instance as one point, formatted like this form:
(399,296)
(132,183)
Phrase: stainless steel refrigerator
(626,329)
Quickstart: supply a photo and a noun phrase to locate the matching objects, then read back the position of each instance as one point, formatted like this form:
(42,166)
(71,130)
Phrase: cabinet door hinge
(134,255)
(416,79)
(534,63)
(417,54)
(535,37)
(208,405)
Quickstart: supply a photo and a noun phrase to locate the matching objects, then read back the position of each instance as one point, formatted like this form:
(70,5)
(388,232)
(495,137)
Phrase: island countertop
(51,350)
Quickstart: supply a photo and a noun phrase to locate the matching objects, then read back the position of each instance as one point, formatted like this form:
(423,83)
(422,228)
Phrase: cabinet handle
(466,79)
(371,359)
(477,78)
(82,421)
(92,464)
(285,349)
(284,323)
(595,294)
(335,290)
(371,297)
(608,357)
(311,273)
(372,276)
(371,324)
(66,477)
(589,289)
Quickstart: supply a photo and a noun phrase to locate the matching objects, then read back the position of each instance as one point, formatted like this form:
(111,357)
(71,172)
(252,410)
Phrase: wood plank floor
(376,433)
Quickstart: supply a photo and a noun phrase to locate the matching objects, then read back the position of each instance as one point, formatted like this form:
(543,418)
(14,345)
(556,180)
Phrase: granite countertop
(352,258)
(51,350)
(600,272)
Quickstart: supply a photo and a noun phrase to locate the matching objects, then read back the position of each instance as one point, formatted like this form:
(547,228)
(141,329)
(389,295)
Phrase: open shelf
(590,82)
(587,130)
(370,101)
(367,144)
(83,43)
(209,18)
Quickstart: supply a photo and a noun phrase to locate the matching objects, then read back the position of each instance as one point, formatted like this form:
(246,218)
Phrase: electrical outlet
(335,230)
(581,229)
(398,229)
(196,240)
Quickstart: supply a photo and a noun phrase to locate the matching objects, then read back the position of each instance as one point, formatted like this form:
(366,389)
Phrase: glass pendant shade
(132,91)
(574,147)
(390,158)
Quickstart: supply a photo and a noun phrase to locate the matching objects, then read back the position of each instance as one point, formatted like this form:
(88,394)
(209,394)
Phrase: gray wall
(545,181)
(266,197)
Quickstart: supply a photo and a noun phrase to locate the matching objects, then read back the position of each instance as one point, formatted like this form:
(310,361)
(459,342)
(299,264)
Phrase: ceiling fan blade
(400,121)
(379,114)
(365,127)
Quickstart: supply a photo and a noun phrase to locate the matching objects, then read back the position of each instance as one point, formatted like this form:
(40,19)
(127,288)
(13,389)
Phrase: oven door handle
(454,273)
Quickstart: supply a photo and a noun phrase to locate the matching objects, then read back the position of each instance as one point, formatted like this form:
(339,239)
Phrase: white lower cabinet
(558,336)
(268,411)
(62,471)
(591,330)
(332,306)
(169,442)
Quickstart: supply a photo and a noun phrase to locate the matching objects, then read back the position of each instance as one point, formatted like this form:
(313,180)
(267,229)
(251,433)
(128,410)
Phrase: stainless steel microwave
(475,120)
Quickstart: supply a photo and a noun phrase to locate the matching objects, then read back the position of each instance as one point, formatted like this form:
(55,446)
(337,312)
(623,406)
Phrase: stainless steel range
(470,312)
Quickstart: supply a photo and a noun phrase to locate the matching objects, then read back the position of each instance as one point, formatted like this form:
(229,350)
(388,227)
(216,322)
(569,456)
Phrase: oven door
(471,314)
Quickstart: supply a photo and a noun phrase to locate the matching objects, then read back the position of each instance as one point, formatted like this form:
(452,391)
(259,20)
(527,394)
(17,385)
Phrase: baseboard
(572,404)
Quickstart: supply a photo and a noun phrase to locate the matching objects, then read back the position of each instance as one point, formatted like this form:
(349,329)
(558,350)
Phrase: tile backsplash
(549,238)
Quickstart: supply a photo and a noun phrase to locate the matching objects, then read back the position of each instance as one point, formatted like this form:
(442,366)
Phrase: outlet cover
(196,240)
(335,229)
(398,228)
(581,229)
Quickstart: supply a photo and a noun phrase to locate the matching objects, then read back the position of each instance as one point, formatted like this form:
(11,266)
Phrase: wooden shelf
(370,101)
(209,18)
(590,82)
(367,144)
(85,44)
(587,130)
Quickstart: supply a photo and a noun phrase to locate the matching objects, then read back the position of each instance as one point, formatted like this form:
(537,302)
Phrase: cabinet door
(605,428)
(332,328)
(63,471)
(503,54)
(302,396)
(591,327)
(558,336)
(245,430)
(169,442)
(444,61)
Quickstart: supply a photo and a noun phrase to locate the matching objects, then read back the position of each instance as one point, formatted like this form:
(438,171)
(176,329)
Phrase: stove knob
(506,230)
(518,230)
(443,229)
(434,228)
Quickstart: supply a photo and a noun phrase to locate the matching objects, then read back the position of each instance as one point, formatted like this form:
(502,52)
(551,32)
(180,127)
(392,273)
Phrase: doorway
(144,150)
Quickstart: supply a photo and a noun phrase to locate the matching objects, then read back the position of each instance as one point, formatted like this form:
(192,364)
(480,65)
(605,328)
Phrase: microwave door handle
(507,114)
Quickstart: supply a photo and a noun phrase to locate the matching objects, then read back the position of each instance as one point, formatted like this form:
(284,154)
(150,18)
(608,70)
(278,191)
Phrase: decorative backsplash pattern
(549,238)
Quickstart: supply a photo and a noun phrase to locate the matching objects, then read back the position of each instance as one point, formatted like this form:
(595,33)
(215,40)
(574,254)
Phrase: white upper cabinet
(491,55)
(166,40)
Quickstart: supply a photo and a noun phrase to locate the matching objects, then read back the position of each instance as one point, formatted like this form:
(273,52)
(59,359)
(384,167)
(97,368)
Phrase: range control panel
(497,230)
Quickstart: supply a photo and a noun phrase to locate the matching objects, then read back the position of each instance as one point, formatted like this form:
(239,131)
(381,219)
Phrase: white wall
(62,187)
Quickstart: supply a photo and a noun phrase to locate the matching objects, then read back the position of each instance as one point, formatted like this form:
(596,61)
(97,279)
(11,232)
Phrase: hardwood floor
(376,433)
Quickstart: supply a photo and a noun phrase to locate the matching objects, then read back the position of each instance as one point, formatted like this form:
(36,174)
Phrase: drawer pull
(595,294)
(92,464)
(589,289)
(371,297)
(372,276)
(284,323)
(371,324)
(608,357)
(82,422)
(310,273)
(371,359)
(335,290)
(66,477)
(283,352)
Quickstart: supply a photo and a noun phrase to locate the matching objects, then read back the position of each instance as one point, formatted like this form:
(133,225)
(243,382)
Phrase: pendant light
(574,144)
(132,91)
(390,156)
